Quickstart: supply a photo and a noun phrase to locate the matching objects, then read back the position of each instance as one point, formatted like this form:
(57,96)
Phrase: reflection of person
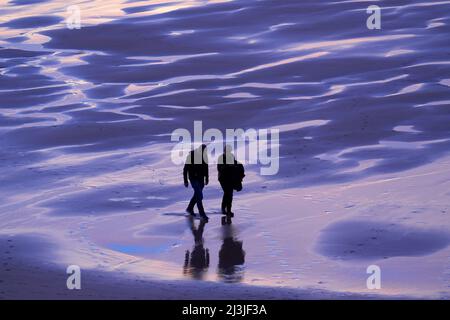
(230,177)
(231,257)
(196,263)
(196,169)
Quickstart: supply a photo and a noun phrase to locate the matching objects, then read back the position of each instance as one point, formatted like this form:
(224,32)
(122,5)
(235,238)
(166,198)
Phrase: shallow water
(105,88)
(86,115)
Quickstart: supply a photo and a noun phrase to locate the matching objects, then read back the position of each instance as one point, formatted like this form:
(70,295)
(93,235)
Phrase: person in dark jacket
(230,177)
(196,170)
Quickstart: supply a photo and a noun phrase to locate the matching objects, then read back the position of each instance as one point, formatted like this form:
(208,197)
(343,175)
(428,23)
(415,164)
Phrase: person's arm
(185,172)
(220,166)
(206,174)
(205,168)
(242,170)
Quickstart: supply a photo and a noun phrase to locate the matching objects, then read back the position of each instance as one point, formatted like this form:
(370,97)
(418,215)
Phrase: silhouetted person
(231,257)
(196,263)
(231,173)
(196,169)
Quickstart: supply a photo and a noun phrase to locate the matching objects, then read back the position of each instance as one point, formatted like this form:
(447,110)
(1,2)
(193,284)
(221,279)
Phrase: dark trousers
(227,198)
(197,197)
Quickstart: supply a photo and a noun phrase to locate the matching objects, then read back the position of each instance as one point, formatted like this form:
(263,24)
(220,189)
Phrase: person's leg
(227,197)
(198,193)
(230,199)
(191,205)
(193,201)
(224,198)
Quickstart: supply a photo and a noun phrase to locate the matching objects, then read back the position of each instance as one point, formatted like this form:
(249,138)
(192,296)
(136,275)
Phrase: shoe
(190,211)
(230,214)
(204,217)
(224,212)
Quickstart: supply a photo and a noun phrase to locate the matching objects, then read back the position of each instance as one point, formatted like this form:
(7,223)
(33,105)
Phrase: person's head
(229,157)
(201,156)
(227,149)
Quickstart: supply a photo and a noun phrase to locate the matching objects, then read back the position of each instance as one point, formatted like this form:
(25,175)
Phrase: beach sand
(310,244)
(86,117)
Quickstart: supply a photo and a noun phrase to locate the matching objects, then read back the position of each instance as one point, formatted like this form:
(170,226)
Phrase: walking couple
(230,175)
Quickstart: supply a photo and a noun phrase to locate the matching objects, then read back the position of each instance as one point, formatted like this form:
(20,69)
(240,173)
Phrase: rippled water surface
(137,70)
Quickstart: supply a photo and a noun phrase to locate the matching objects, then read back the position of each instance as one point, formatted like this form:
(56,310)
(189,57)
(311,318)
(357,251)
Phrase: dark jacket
(197,172)
(225,168)
(231,171)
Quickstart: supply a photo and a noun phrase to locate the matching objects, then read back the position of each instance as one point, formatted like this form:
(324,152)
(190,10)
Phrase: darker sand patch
(366,240)
(32,22)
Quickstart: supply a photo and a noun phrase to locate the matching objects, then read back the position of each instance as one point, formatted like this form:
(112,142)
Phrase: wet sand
(22,276)
(313,244)
(86,176)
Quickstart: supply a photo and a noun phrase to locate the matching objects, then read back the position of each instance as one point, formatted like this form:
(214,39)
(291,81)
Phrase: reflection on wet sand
(231,256)
(196,263)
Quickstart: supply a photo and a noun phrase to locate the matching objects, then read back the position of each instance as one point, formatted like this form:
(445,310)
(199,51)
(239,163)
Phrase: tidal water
(86,114)
(137,70)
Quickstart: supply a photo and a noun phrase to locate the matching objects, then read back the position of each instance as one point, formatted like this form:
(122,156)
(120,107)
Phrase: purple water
(86,116)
